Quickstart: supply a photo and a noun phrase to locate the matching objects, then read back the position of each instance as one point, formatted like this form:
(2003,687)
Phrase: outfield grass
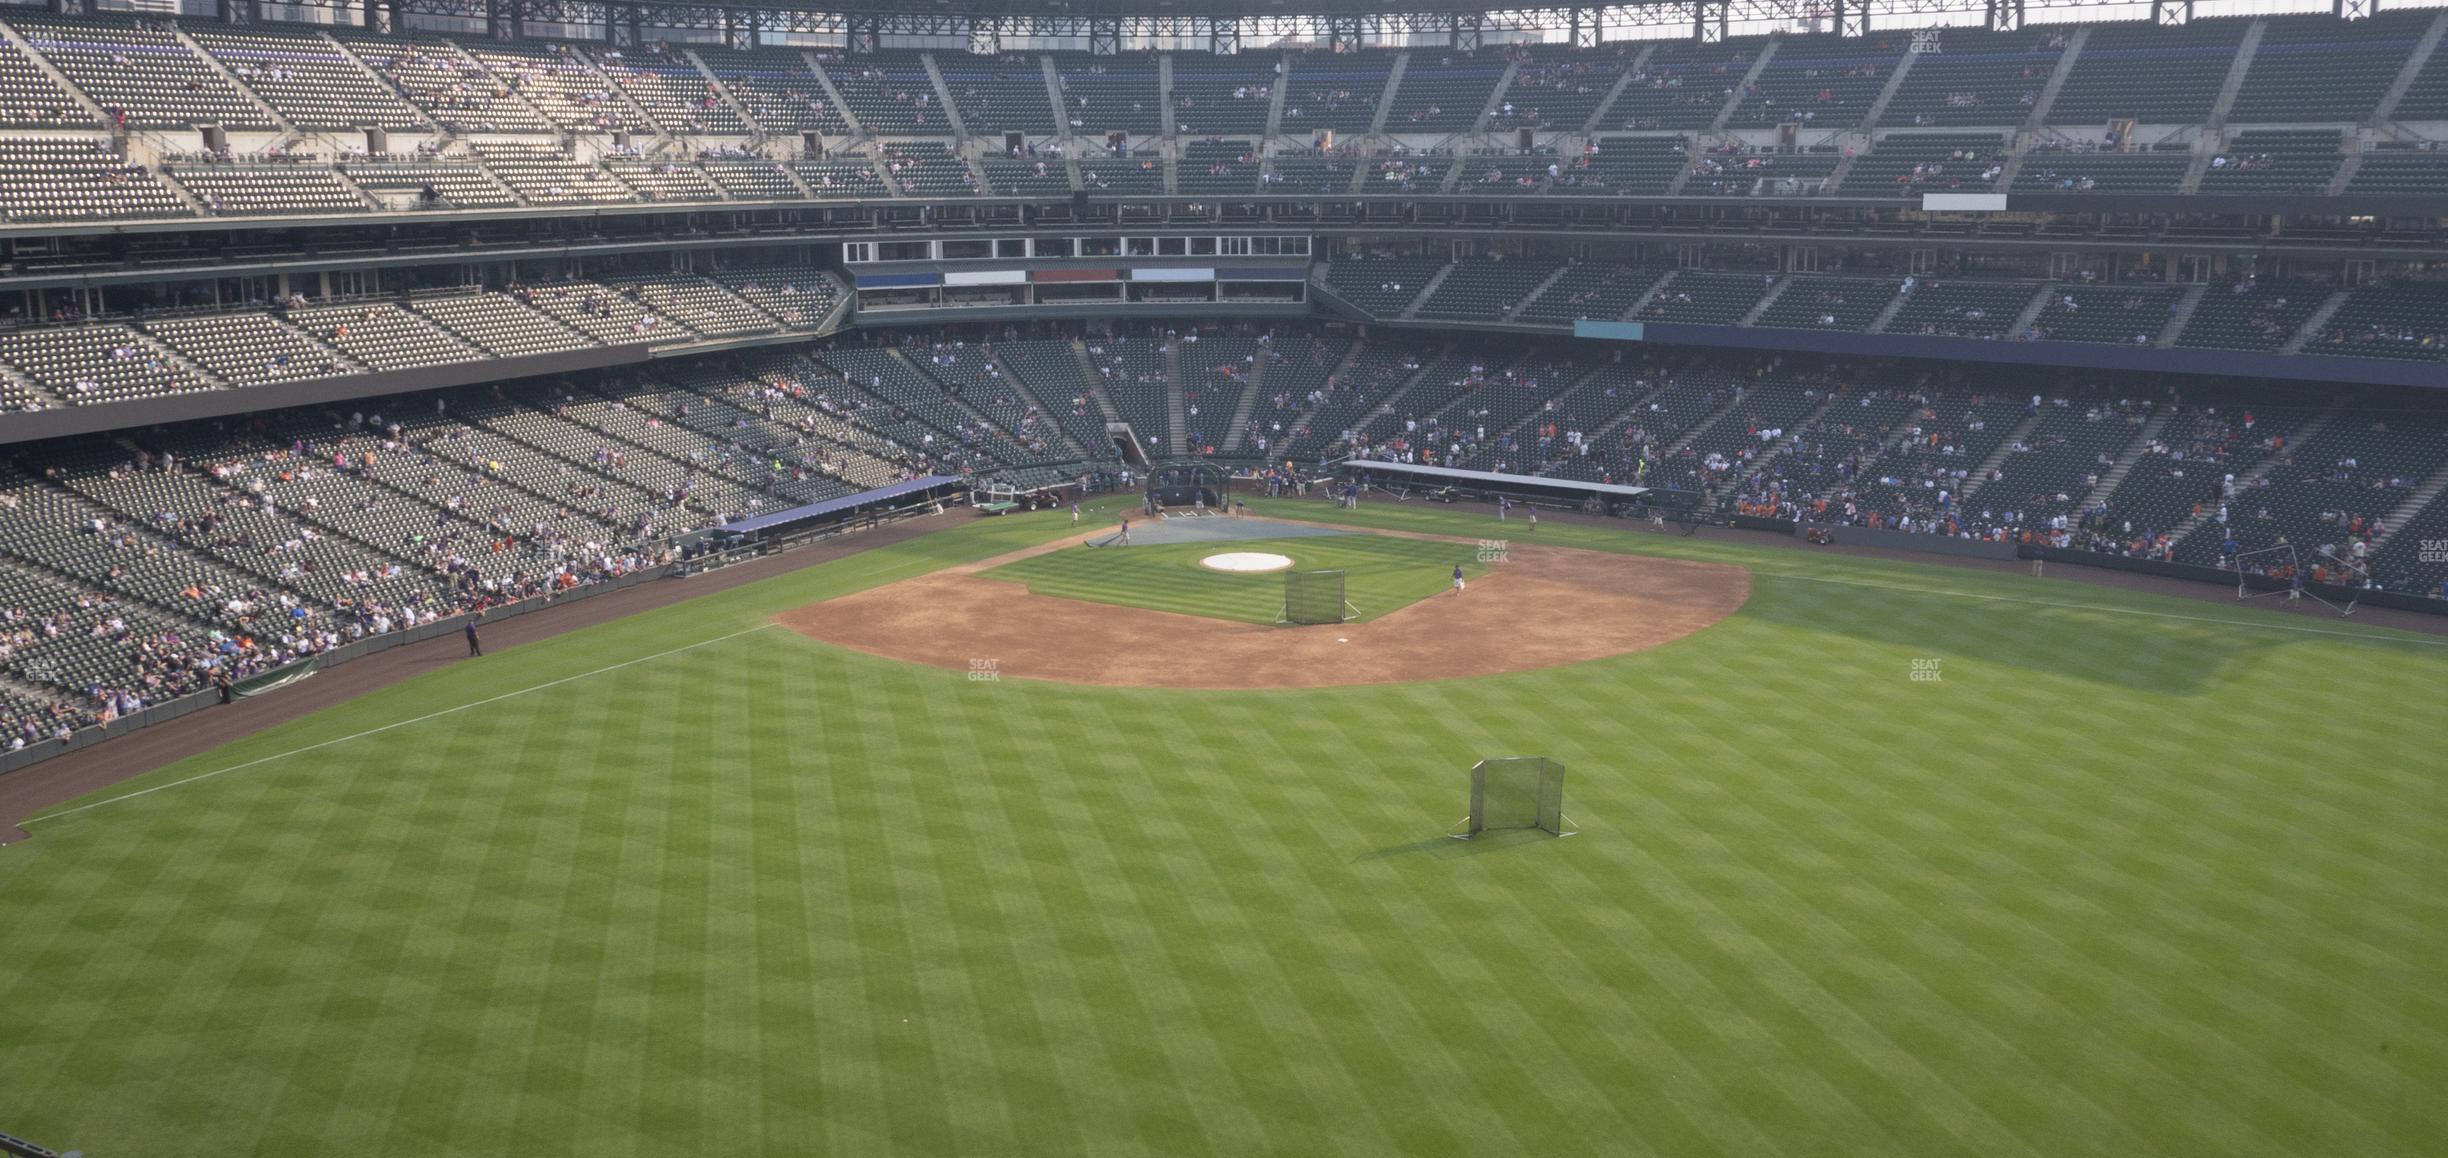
(2133,876)
(1382,574)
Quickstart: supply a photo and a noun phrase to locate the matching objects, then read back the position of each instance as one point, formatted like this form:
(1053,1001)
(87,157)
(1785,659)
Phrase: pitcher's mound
(1544,608)
(1245,562)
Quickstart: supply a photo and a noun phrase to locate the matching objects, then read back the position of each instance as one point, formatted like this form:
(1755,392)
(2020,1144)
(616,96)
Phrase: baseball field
(1873,858)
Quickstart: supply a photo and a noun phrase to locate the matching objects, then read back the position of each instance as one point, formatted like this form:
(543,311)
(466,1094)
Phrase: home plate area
(1543,607)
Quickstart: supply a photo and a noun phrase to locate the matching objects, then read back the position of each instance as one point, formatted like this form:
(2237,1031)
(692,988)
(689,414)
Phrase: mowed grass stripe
(2113,884)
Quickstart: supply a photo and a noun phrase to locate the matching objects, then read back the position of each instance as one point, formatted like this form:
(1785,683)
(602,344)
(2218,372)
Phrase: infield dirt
(1542,607)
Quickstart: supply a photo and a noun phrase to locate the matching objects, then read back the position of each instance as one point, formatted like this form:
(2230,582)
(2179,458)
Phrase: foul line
(2372,635)
(397,724)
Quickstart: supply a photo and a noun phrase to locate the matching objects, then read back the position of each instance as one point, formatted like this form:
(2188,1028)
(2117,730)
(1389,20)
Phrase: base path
(1544,607)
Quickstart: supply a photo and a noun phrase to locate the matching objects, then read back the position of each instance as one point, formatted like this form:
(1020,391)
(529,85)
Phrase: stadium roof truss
(1222,26)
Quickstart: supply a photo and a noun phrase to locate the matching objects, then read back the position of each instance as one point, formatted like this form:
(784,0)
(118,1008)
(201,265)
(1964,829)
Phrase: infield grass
(2133,876)
(1381,574)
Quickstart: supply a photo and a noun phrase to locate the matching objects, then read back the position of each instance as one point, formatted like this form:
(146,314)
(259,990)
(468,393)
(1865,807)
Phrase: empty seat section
(2248,316)
(543,175)
(700,305)
(928,169)
(778,88)
(2275,161)
(143,73)
(430,184)
(2122,315)
(662,180)
(671,90)
(500,325)
(1557,89)
(30,99)
(1520,173)
(1829,303)
(308,80)
(1641,166)
(2427,98)
(1964,76)
(268,189)
(1443,92)
(800,296)
(1599,290)
(2320,68)
(1103,94)
(1682,86)
(561,83)
(1711,299)
(82,365)
(66,179)
(2403,320)
(1217,167)
(1327,91)
(1026,177)
(452,89)
(2401,171)
(1137,173)
(1485,290)
(2152,74)
(2096,169)
(998,94)
(1818,84)
(1738,172)
(1911,164)
(609,315)
(248,349)
(1383,286)
(890,92)
(1223,94)
(383,336)
(844,177)
(1311,171)
(751,178)
(1961,309)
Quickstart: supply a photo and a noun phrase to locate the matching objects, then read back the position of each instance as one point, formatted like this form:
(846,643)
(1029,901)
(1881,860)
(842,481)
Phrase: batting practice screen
(1313,597)
(1517,792)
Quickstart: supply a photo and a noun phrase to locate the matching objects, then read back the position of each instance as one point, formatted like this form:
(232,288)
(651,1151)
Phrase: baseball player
(1457,579)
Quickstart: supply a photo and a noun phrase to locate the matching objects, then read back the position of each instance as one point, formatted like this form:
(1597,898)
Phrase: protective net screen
(1313,597)
(1517,792)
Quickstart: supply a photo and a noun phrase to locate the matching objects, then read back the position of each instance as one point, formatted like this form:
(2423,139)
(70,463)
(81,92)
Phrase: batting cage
(1187,485)
(1315,597)
(1516,792)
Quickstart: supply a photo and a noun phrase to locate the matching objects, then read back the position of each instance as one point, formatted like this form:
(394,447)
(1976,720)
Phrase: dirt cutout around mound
(1541,607)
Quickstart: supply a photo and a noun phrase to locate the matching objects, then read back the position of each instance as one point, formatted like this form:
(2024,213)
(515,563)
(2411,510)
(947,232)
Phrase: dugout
(780,528)
(1188,484)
